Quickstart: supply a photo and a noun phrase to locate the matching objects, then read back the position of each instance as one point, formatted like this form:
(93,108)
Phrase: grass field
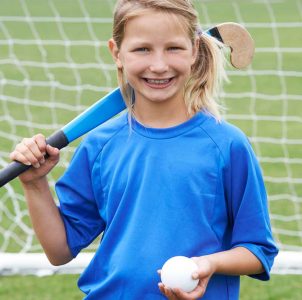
(63,287)
(54,63)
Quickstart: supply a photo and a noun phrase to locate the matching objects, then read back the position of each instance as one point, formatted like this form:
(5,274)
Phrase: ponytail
(208,73)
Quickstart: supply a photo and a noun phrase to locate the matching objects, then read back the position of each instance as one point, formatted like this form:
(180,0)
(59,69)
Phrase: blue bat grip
(98,113)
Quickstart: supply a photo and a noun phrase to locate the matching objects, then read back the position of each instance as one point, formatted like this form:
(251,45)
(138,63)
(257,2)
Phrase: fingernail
(42,160)
(37,165)
(27,163)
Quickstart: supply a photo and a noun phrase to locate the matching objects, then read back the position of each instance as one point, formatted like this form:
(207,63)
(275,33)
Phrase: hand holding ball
(177,273)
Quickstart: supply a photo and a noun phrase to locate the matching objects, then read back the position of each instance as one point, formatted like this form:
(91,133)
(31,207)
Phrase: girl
(168,178)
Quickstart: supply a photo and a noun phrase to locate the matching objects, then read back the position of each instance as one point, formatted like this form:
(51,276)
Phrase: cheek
(183,67)
(182,63)
(133,66)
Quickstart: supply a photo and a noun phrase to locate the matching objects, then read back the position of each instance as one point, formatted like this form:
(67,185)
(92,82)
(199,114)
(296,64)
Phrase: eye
(174,48)
(141,49)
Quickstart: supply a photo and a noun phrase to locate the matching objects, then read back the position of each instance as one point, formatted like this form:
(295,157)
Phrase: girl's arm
(237,261)
(47,222)
(45,216)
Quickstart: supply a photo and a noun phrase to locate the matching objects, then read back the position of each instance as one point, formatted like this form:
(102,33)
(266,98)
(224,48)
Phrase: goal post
(54,63)
(287,262)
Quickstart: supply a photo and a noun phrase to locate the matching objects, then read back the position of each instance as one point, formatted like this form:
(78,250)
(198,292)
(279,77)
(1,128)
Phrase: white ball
(177,273)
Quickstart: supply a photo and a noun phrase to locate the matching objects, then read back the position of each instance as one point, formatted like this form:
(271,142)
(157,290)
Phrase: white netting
(54,63)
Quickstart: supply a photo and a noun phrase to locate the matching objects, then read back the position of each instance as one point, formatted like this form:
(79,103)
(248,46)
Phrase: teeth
(158,81)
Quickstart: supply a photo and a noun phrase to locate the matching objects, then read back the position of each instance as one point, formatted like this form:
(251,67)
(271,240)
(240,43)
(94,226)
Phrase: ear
(115,53)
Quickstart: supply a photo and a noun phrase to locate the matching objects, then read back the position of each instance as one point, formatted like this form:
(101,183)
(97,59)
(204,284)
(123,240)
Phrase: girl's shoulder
(105,131)
(223,131)
(227,137)
(93,143)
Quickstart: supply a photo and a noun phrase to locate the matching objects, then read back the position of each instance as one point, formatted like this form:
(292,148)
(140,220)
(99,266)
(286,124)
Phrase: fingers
(178,294)
(52,151)
(31,151)
(35,149)
(28,152)
(17,156)
(167,292)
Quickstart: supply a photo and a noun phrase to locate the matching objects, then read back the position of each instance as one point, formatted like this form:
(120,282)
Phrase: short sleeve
(77,203)
(248,206)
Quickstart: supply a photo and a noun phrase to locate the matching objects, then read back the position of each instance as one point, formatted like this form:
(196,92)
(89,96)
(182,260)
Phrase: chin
(161,95)
(160,99)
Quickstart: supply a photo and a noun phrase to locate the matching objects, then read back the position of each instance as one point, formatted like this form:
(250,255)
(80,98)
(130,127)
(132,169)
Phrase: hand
(204,273)
(32,151)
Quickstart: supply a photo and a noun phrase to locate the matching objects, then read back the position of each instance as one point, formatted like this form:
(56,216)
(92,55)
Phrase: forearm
(237,261)
(47,221)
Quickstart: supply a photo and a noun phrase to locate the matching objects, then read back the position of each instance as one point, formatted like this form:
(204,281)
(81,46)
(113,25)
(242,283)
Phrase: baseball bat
(232,35)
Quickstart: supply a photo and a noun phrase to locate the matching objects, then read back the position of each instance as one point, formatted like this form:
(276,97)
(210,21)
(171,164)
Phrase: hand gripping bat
(232,35)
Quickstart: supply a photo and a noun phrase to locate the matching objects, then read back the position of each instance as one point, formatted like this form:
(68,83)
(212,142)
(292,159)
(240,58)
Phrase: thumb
(200,274)
(204,268)
(52,151)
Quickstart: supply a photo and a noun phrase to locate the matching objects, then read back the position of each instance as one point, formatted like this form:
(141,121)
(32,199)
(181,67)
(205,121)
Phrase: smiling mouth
(158,83)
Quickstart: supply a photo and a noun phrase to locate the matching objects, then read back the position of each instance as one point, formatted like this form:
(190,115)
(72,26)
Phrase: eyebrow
(175,40)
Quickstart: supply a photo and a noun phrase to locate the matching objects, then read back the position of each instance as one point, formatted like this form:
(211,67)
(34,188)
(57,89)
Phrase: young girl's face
(156,55)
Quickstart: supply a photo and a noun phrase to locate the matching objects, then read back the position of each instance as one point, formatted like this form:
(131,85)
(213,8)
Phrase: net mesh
(54,63)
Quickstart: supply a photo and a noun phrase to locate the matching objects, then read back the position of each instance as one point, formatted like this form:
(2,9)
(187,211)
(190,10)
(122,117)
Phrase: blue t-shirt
(191,190)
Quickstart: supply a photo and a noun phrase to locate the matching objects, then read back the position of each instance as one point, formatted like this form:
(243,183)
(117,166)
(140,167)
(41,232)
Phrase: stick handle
(100,112)
(15,168)
(11,171)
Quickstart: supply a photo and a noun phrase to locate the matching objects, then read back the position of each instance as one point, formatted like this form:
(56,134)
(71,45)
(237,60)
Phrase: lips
(158,83)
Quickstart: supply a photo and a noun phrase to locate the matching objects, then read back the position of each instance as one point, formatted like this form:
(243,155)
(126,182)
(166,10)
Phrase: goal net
(54,63)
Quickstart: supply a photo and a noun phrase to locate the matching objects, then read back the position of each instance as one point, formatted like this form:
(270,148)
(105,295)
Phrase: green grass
(40,288)
(62,287)
(279,287)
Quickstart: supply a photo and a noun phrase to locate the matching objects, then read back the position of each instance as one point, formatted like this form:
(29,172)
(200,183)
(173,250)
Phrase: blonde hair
(208,72)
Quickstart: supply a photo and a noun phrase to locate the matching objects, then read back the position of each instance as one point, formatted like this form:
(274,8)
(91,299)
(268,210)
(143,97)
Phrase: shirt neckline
(168,132)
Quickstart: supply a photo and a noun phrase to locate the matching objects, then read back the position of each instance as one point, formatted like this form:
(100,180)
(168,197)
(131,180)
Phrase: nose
(158,63)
